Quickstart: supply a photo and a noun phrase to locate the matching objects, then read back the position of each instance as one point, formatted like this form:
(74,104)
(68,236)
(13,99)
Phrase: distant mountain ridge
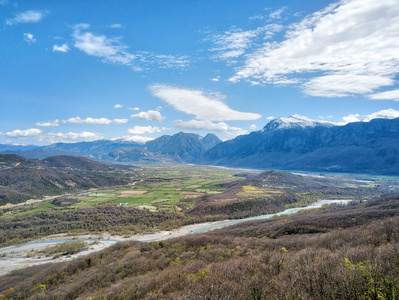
(356,147)
(181,147)
(293,143)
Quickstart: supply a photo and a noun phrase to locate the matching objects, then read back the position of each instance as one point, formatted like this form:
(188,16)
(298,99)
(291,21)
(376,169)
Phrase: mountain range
(293,143)
(288,144)
(179,148)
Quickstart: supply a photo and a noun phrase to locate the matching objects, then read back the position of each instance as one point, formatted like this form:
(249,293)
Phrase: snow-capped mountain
(295,121)
(298,143)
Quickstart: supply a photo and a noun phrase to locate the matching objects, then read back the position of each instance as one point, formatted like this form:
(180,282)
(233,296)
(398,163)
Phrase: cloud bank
(350,47)
(143,129)
(201,125)
(29,38)
(78,120)
(29,16)
(54,123)
(63,48)
(113,51)
(151,115)
(198,103)
(52,137)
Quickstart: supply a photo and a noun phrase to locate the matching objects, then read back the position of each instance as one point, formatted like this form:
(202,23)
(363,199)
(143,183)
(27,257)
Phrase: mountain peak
(295,121)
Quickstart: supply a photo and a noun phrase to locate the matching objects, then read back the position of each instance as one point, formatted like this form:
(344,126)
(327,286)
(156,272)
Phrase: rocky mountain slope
(371,147)
(186,147)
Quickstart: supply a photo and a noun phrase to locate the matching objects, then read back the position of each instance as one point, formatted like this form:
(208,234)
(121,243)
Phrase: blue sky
(85,70)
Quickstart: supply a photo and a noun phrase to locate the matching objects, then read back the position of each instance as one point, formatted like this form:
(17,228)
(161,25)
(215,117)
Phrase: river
(16,256)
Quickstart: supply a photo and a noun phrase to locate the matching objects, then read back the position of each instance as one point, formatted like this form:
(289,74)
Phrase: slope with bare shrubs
(344,260)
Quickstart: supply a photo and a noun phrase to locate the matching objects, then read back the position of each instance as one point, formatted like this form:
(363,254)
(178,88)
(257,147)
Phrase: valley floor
(21,256)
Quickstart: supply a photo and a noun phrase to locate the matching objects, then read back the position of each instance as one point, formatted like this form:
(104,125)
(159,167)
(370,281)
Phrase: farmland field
(169,196)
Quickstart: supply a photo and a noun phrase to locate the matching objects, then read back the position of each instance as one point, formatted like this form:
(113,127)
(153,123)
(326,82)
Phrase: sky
(75,70)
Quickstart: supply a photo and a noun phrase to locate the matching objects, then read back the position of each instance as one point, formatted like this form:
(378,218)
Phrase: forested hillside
(22,179)
(340,253)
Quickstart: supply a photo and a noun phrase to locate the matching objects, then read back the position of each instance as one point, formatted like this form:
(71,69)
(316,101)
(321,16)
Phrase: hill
(361,147)
(14,160)
(25,179)
(332,253)
(272,191)
(73,162)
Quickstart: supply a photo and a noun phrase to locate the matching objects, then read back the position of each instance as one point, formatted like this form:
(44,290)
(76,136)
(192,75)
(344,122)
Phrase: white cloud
(111,50)
(28,37)
(70,137)
(233,43)
(115,26)
(235,131)
(384,114)
(169,61)
(270,118)
(277,14)
(120,121)
(252,127)
(143,129)
(81,26)
(351,118)
(196,102)
(388,95)
(138,69)
(201,125)
(118,106)
(54,123)
(135,138)
(78,120)
(216,79)
(206,125)
(133,108)
(151,115)
(27,133)
(29,16)
(340,85)
(350,47)
(63,48)
(52,137)
(256,17)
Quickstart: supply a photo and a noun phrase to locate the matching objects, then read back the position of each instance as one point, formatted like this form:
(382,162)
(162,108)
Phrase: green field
(165,197)
(172,188)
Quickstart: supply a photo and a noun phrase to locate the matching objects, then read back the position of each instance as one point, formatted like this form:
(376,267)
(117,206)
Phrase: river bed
(17,256)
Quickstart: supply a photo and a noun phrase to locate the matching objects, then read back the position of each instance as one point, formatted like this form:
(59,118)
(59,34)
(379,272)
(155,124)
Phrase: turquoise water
(262,217)
(41,244)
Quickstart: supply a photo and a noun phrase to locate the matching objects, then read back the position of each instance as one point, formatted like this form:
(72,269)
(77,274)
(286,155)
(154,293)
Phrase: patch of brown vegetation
(193,193)
(127,194)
